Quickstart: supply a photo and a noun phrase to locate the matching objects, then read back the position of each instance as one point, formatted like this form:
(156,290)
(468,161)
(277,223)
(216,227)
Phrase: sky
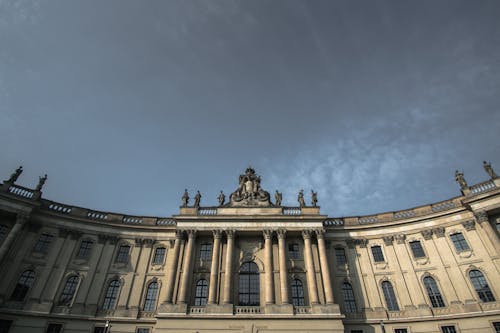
(373,104)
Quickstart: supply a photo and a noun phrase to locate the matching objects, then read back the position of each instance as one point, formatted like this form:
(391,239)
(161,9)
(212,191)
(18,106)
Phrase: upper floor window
(111,295)
(496,326)
(122,255)
(482,288)
(390,297)
(201,293)
(85,248)
(293,251)
(459,242)
(142,330)
(249,288)
(417,249)
(448,329)
(378,256)
(23,285)
(349,301)
(297,293)
(340,256)
(151,294)
(43,243)
(206,251)
(69,290)
(433,292)
(54,328)
(159,255)
(400,330)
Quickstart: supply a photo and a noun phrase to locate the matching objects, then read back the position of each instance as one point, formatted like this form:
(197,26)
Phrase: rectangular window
(99,329)
(54,328)
(206,251)
(400,330)
(459,242)
(340,256)
(448,329)
(43,243)
(159,256)
(293,251)
(356,331)
(142,330)
(496,326)
(378,256)
(85,248)
(417,249)
(122,255)
(5,325)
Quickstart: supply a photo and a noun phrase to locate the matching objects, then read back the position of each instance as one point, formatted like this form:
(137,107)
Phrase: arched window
(69,290)
(249,289)
(297,293)
(390,297)
(433,292)
(151,294)
(201,293)
(23,285)
(481,286)
(349,301)
(111,295)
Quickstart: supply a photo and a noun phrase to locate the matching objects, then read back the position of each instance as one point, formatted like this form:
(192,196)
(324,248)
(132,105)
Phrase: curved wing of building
(250,265)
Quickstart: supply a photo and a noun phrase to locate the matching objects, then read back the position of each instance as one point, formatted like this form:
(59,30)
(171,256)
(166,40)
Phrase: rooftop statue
(15,175)
(249,192)
(489,170)
(278,197)
(300,199)
(459,178)
(185,198)
(197,199)
(314,198)
(41,182)
(222,198)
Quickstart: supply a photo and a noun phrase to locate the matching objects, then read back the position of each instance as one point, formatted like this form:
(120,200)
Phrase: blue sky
(372,104)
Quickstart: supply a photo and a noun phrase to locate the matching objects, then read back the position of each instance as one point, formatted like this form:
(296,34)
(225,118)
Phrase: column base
(278,309)
(219,308)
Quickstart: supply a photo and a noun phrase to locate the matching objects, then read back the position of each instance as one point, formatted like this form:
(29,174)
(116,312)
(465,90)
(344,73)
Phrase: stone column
(172,269)
(21,220)
(311,274)
(214,269)
(283,268)
(186,267)
(268,266)
(228,274)
(325,271)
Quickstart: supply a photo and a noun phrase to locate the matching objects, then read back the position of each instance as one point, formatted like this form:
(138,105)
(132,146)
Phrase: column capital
(22,217)
(320,233)
(281,233)
(481,216)
(179,234)
(306,234)
(268,233)
(191,234)
(230,233)
(217,234)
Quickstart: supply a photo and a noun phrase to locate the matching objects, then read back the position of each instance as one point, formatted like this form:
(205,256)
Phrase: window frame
(69,301)
(391,304)
(87,251)
(43,243)
(460,245)
(294,251)
(377,257)
(60,325)
(149,301)
(252,293)
(448,326)
(109,302)
(205,252)
(201,292)
(164,254)
(297,292)
(349,303)
(435,296)
(488,293)
(342,255)
(121,257)
(26,288)
(419,248)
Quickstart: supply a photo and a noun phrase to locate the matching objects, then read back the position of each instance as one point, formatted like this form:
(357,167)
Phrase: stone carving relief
(249,193)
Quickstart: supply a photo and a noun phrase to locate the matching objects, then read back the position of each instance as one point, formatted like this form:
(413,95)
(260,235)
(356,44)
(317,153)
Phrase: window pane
(43,243)
(5,325)
(417,249)
(54,328)
(297,293)
(340,256)
(496,325)
(400,330)
(433,292)
(85,248)
(390,297)
(23,286)
(293,251)
(159,256)
(459,242)
(151,294)
(378,256)
(448,329)
(142,330)
(111,295)
(349,301)
(206,251)
(69,290)
(201,293)
(249,289)
(481,286)
(122,255)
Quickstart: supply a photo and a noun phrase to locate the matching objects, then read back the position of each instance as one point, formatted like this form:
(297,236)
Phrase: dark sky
(374,104)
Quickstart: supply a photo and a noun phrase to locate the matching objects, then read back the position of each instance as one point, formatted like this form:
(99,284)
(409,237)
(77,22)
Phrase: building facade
(250,265)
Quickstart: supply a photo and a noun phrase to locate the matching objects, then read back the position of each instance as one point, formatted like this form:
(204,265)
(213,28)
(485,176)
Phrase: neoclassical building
(250,265)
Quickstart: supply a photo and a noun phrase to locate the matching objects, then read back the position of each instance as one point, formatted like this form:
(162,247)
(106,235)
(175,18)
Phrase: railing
(443,206)
(441,311)
(97,215)
(302,309)
(165,222)
(207,211)
(247,309)
(482,187)
(60,208)
(292,211)
(21,191)
(196,309)
(333,222)
(367,219)
(489,306)
(404,214)
(132,220)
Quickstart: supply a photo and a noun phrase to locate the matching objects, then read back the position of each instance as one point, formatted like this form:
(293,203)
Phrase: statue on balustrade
(41,182)
(314,198)
(197,199)
(300,199)
(15,174)
(185,198)
(222,198)
(278,197)
(459,178)
(249,193)
(489,170)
